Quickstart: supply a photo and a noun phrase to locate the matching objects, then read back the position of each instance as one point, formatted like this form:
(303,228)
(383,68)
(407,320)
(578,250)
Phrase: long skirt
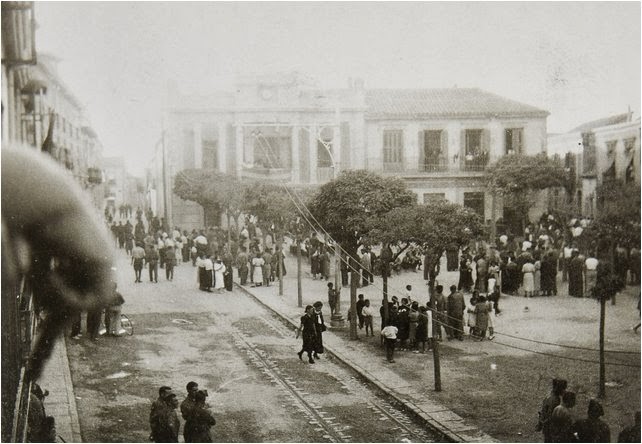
(529,282)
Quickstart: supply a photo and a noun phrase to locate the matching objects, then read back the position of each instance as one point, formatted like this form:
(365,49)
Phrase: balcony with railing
(434,165)
(474,162)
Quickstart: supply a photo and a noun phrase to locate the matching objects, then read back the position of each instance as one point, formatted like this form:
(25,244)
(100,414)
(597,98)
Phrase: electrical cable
(441,314)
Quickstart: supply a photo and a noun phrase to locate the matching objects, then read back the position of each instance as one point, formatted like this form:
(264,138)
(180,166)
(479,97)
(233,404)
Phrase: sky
(578,60)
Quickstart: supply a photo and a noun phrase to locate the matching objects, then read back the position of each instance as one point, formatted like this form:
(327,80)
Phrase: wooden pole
(280,262)
(602,391)
(435,342)
(299,288)
(353,302)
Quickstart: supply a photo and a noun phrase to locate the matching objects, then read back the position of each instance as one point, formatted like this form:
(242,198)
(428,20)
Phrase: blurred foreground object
(51,237)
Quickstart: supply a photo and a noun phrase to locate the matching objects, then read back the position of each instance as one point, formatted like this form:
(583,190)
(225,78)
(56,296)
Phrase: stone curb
(473,434)
(71,396)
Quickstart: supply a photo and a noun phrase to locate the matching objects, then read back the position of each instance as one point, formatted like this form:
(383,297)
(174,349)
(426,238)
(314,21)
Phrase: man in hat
(163,419)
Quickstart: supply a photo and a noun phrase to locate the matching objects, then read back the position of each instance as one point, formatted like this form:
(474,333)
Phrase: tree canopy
(273,204)
(618,215)
(517,173)
(515,177)
(214,191)
(433,226)
(348,206)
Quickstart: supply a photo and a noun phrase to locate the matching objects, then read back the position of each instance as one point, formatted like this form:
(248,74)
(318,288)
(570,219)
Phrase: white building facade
(438,140)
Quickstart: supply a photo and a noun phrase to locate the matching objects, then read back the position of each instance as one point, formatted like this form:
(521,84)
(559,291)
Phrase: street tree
(347,207)
(433,226)
(276,208)
(218,193)
(517,177)
(618,217)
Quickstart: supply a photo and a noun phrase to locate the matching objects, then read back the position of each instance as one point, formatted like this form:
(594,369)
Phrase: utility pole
(165,196)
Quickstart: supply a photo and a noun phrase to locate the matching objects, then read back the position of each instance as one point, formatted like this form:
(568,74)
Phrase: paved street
(241,353)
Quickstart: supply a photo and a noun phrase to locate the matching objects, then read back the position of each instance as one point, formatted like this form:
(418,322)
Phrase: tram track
(326,424)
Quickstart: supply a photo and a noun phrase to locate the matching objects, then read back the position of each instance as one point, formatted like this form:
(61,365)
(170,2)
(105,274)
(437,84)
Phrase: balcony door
(433,156)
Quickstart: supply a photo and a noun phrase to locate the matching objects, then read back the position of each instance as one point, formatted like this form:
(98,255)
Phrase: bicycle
(126,324)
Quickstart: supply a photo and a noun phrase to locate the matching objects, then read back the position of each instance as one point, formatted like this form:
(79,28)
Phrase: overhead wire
(326,234)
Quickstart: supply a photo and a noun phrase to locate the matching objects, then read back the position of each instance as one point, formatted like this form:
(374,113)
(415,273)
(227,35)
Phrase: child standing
(367,312)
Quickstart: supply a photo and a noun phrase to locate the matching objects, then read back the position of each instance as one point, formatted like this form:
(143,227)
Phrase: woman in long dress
(528,282)
(537,278)
(481,317)
(219,270)
(308,331)
(257,264)
(319,324)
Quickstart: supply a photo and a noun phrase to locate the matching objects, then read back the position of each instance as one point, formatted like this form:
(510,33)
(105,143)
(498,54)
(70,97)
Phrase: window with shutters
(475,201)
(513,140)
(209,143)
(393,150)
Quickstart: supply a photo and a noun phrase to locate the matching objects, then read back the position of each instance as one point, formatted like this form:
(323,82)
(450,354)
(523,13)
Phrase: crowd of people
(196,412)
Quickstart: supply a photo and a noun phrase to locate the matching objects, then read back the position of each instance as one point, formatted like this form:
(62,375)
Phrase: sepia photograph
(208,207)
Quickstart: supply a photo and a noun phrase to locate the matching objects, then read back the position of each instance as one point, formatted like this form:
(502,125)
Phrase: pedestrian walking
(163,419)
(138,261)
(389,333)
(320,327)
(307,330)
(152,257)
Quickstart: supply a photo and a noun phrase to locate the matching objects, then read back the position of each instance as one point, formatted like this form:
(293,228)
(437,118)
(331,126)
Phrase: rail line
(333,432)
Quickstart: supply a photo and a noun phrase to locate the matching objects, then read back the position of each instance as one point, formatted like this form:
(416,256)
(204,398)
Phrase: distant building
(596,152)
(281,128)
